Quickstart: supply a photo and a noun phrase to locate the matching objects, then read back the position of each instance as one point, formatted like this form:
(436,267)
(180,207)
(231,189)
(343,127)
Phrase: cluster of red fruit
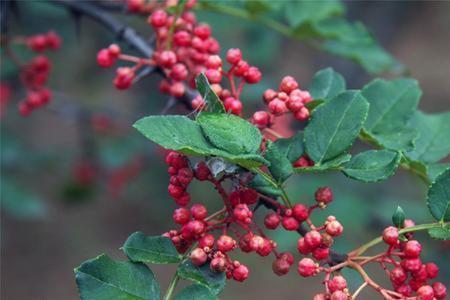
(197,225)
(409,274)
(288,98)
(34,75)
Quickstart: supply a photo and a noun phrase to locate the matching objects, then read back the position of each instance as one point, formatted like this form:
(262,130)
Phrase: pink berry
(334,228)
(218,264)
(203,31)
(277,106)
(225,243)
(158,18)
(269,95)
(339,295)
(321,253)
(324,195)
(253,75)
(432,270)
(181,216)
(167,58)
(440,291)
(240,273)
(198,257)
(411,264)
(390,235)
(261,119)
(272,220)
(302,247)
(412,249)
(290,223)
(300,212)
(242,213)
(337,283)
(206,241)
(425,292)
(199,212)
(234,55)
(104,58)
(288,84)
(307,267)
(281,267)
(313,239)
(398,275)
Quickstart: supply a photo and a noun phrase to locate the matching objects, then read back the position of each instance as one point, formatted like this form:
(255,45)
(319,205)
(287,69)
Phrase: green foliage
(334,126)
(438,199)
(195,292)
(230,133)
(102,278)
(440,233)
(300,14)
(372,165)
(398,218)
(291,147)
(202,275)
(261,184)
(181,134)
(392,103)
(280,166)
(150,249)
(212,101)
(326,84)
(433,143)
(332,164)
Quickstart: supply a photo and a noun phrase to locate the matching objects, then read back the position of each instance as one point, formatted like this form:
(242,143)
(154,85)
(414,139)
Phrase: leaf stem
(365,247)
(269,179)
(171,288)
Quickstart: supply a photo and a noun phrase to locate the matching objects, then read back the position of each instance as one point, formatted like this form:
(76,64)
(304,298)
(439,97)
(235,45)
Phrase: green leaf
(438,199)
(326,84)
(311,106)
(334,126)
(433,143)
(291,147)
(230,133)
(434,170)
(398,218)
(392,103)
(181,134)
(102,278)
(195,292)
(260,184)
(213,103)
(151,249)
(332,164)
(299,13)
(372,165)
(280,166)
(202,275)
(440,233)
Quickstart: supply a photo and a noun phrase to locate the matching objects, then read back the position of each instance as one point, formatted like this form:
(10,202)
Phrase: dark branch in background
(122,32)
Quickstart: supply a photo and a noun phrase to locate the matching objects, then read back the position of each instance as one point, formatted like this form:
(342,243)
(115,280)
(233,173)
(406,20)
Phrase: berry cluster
(236,218)
(34,74)
(288,98)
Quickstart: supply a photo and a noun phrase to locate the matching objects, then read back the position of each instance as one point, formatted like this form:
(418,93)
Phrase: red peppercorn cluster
(34,74)
(409,274)
(288,98)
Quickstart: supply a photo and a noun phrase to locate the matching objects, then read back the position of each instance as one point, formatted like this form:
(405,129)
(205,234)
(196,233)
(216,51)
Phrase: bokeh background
(50,223)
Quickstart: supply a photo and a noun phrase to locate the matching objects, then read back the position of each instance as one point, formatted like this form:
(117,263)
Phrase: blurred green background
(49,225)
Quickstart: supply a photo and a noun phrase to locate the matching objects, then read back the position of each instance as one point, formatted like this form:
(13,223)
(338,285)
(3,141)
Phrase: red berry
(158,18)
(421,274)
(398,276)
(104,58)
(24,109)
(195,227)
(425,292)
(390,235)
(167,58)
(218,264)
(288,257)
(440,291)
(213,75)
(300,212)
(199,211)
(234,55)
(302,247)
(337,283)
(261,119)
(203,31)
(124,78)
(175,191)
(339,295)
(269,95)
(225,243)
(181,216)
(265,248)
(256,242)
(411,264)
(233,105)
(280,266)
(198,257)
(294,104)
(288,84)
(202,171)
(240,273)
(244,242)
(313,239)
(324,195)
(334,228)
(38,42)
(182,38)
(53,40)
(307,267)
(206,241)
(321,253)
(412,249)
(253,75)
(290,223)
(272,220)
(277,106)
(320,296)
(179,72)
(243,214)
(183,200)
(432,270)
(248,196)
(302,114)
(405,290)
(177,89)
(241,68)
